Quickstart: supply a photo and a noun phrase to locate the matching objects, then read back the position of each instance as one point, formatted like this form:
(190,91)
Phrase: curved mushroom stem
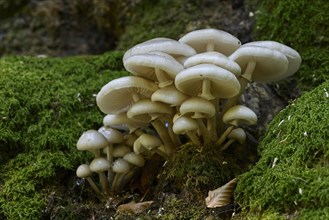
(204,131)
(163,78)
(114,185)
(193,137)
(93,185)
(222,138)
(227,144)
(205,93)
(173,136)
(164,136)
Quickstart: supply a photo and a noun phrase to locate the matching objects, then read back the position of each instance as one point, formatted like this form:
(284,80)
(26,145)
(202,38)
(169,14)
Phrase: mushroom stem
(164,136)
(249,70)
(212,122)
(162,79)
(135,97)
(193,137)
(227,144)
(103,182)
(109,157)
(173,136)
(93,185)
(222,138)
(204,131)
(205,93)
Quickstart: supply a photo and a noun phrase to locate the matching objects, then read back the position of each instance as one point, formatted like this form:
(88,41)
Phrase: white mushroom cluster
(178,91)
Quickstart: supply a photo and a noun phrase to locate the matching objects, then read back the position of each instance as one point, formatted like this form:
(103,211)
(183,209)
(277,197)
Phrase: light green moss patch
(45,104)
(292,175)
(304,26)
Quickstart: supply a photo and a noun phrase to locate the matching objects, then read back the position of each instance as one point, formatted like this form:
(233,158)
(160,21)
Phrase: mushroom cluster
(178,91)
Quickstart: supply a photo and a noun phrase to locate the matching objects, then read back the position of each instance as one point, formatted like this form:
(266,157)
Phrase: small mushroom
(147,144)
(237,134)
(84,171)
(93,141)
(100,165)
(120,167)
(235,116)
(186,125)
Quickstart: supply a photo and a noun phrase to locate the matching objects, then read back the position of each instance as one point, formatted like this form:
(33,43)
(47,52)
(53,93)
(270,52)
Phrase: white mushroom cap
(291,54)
(223,84)
(119,94)
(197,108)
(238,115)
(146,142)
(156,66)
(112,135)
(220,41)
(166,45)
(146,108)
(135,159)
(99,165)
(83,171)
(184,124)
(238,134)
(122,122)
(91,140)
(120,166)
(270,64)
(120,150)
(169,95)
(215,58)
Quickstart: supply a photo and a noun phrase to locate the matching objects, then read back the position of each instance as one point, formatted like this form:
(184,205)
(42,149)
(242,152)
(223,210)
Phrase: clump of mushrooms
(178,91)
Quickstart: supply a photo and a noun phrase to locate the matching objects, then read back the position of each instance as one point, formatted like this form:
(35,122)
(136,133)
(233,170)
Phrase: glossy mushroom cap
(135,159)
(99,165)
(197,108)
(119,94)
(156,66)
(223,84)
(238,134)
(161,44)
(169,95)
(145,108)
(292,55)
(215,58)
(122,122)
(211,40)
(146,142)
(121,150)
(120,166)
(183,124)
(270,64)
(112,135)
(92,140)
(238,115)
(83,171)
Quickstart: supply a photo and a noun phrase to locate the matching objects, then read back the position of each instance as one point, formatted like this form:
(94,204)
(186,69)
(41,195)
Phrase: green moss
(193,170)
(299,182)
(45,104)
(165,18)
(303,26)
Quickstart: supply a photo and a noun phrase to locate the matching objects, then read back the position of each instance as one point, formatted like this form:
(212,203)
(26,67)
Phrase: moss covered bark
(45,104)
(292,175)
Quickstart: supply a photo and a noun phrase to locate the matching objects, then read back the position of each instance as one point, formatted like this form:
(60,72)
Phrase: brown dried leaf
(135,208)
(221,196)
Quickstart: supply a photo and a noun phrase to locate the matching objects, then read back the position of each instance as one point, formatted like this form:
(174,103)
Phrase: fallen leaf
(221,196)
(135,208)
